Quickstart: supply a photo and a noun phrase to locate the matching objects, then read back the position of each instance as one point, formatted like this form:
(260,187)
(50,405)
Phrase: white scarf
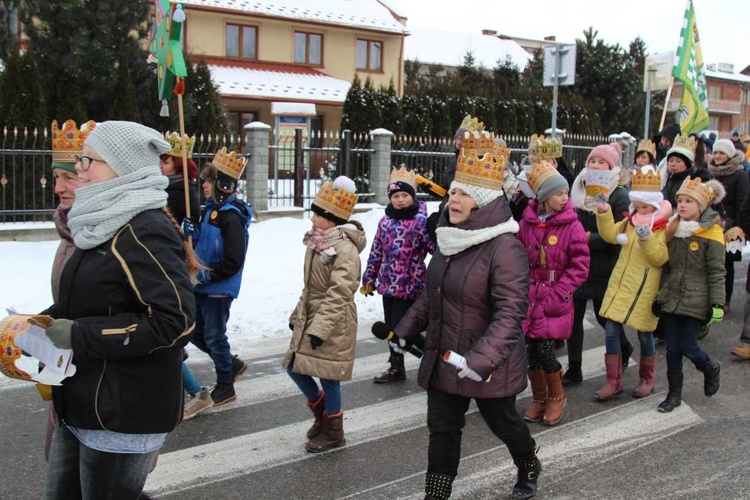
(452,240)
(101,209)
(578,193)
(685,228)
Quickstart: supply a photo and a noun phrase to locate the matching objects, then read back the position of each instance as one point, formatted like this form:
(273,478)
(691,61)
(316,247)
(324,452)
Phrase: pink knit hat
(608,152)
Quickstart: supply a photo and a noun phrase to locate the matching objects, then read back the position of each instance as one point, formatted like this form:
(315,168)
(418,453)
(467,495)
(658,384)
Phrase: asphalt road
(254,448)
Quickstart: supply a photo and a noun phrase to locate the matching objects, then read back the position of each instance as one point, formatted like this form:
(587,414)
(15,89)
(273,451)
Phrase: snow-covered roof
(449,47)
(369,14)
(736,77)
(278,82)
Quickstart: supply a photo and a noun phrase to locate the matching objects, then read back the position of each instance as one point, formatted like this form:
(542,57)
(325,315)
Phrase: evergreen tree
(8,21)
(506,77)
(371,118)
(390,108)
(352,109)
(415,110)
(22,105)
(208,114)
(125,106)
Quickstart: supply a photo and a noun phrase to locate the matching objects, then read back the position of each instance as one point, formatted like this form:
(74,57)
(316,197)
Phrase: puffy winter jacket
(559,260)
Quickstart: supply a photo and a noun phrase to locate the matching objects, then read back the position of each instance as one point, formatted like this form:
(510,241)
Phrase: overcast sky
(724,25)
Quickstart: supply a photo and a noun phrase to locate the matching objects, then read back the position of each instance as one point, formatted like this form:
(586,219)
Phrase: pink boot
(613,386)
(646,370)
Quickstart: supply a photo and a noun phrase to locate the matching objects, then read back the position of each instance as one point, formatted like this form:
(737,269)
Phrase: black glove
(189,228)
(432,223)
(315,342)
(656,308)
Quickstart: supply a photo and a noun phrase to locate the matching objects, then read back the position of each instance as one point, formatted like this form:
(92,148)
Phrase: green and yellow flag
(688,68)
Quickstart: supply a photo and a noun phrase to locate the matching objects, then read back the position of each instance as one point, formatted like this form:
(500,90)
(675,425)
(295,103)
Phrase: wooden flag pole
(179,90)
(666,104)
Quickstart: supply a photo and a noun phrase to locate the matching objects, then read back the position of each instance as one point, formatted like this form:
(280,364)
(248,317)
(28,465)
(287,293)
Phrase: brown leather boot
(646,369)
(317,408)
(539,393)
(556,398)
(613,385)
(331,434)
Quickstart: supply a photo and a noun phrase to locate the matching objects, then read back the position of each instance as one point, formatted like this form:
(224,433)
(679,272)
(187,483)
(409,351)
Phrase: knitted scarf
(578,193)
(101,209)
(452,240)
(315,239)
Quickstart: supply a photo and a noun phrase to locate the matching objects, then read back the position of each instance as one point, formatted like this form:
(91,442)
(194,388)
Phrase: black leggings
(575,342)
(394,309)
(541,354)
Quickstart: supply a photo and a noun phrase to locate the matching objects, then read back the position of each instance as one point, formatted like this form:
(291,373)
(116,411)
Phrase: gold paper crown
(541,170)
(229,163)
(175,141)
(471,124)
(734,233)
(404,175)
(646,179)
(336,201)
(546,148)
(698,190)
(648,146)
(11,326)
(67,142)
(481,162)
(685,142)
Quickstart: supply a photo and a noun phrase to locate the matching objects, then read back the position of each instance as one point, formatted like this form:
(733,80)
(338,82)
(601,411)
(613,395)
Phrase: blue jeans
(191,385)
(211,316)
(309,388)
(76,471)
(615,338)
(682,340)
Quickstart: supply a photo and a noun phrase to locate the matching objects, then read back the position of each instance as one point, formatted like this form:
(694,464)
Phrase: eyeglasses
(86,161)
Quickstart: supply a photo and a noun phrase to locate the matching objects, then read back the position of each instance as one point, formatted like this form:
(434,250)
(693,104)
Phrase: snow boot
(711,377)
(574,375)
(556,398)
(646,369)
(223,394)
(539,393)
(317,408)
(331,434)
(396,373)
(613,385)
(529,469)
(674,396)
(438,486)
(627,351)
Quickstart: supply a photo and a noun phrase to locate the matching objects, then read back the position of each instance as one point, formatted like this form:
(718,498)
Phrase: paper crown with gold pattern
(546,148)
(648,146)
(705,193)
(481,162)
(336,200)
(684,145)
(175,142)
(404,175)
(67,142)
(734,239)
(646,179)
(229,163)
(469,124)
(539,172)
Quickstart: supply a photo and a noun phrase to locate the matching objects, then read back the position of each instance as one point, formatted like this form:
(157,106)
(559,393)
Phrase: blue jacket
(222,246)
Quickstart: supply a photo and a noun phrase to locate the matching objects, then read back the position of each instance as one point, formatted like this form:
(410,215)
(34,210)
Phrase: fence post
(380,165)
(256,173)
(299,168)
(346,154)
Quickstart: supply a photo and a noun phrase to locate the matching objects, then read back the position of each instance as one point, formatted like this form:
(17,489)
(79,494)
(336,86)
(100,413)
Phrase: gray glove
(643,232)
(60,332)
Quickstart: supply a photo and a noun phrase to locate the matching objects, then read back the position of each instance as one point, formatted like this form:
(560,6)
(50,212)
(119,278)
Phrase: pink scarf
(315,239)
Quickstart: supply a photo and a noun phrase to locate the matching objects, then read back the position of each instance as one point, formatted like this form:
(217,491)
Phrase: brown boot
(646,369)
(556,398)
(331,434)
(613,385)
(539,393)
(318,407)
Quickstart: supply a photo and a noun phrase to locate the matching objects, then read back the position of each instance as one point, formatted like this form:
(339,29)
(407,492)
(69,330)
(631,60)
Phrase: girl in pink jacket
(556,244)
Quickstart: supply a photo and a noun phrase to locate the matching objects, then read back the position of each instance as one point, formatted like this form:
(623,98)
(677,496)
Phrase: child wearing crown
(634,282)
(693,291)
(558,253)
(324,323)
(395,267)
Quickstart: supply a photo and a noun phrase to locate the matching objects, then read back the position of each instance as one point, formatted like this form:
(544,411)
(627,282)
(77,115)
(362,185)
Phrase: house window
(241,41)
(369,55)
(714,92)
(308,48)
(237,121)
(714,122)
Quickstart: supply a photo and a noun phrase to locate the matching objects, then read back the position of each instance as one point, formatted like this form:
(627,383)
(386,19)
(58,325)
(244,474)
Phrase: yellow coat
(635,279)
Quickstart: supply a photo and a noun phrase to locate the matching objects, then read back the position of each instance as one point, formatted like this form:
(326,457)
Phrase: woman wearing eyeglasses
(125,308)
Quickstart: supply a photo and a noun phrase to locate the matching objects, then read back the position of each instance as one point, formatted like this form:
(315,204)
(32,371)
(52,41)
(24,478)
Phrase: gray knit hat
(127,146)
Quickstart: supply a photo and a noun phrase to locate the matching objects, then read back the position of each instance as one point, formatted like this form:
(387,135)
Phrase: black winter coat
(674,182)
(133,308)
(176,199)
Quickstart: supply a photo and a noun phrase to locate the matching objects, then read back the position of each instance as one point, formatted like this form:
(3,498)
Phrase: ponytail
(194,265)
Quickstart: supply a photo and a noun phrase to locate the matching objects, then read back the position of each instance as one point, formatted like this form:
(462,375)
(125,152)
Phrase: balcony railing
(716,106)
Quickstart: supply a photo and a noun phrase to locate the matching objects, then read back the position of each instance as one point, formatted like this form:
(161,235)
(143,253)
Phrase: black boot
(627,351)
(674,396)
(438,486)
(529,469)
(573,375)
(711,377)
(395,373)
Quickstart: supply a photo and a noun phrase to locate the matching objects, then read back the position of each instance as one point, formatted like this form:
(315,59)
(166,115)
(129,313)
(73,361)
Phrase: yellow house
(289,63)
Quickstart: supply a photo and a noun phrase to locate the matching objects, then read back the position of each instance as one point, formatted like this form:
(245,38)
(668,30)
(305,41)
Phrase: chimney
(489,32)
(550,38)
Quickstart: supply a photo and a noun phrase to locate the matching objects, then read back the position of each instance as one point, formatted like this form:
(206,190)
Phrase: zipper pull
(127,336)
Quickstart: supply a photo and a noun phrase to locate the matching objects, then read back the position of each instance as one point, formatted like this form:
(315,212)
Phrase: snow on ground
(271,284)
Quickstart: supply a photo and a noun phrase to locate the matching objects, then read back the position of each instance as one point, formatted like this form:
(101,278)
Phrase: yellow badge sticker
(694,246)
(214,214)
(552,240)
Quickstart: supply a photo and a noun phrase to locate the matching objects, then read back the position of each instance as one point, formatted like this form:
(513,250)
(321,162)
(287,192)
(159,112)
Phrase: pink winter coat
(559,259)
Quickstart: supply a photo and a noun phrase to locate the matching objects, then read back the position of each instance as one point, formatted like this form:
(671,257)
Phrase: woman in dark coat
(473,305)
(171,165)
